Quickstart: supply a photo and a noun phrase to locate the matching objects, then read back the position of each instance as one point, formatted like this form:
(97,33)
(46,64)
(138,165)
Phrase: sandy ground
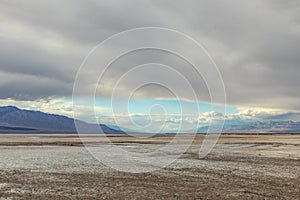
(239,167)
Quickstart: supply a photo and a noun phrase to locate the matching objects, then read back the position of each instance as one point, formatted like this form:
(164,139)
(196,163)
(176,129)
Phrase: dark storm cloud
(29,87)
(82,21)
(255,43)
(19,56)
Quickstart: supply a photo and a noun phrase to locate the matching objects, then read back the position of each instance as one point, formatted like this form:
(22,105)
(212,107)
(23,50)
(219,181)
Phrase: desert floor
(239,167)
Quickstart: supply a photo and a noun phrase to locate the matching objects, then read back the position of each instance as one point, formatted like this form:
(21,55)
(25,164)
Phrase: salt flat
(239,167)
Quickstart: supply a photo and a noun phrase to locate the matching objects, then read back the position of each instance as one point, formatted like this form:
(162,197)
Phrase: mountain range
(259,127)
(13,119)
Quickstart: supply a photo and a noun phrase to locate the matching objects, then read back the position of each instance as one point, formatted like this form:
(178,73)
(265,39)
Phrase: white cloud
(58,106)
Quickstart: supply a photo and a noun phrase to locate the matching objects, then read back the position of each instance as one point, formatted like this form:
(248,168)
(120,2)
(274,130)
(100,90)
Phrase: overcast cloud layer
(256,44)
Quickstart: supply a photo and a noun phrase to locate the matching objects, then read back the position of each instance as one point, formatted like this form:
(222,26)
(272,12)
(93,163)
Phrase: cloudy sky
(255,45)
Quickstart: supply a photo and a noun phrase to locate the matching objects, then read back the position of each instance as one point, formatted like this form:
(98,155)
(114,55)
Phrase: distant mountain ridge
(15,119)
(260,127)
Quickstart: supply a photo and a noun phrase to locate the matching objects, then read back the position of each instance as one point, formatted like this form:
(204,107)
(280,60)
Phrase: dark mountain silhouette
(15,119)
